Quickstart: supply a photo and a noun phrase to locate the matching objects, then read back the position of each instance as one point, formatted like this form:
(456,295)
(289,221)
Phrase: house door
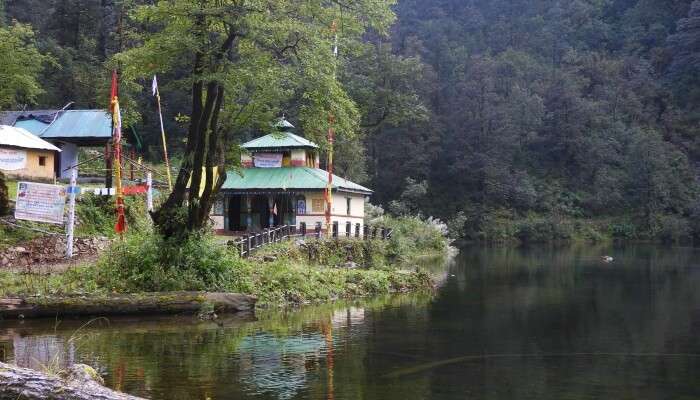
(235,221)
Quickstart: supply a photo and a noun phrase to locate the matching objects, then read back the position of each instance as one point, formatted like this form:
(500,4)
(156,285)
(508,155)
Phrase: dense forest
(535,119)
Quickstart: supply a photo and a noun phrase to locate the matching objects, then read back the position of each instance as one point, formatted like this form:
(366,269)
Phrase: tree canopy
(482,110)
(20,68)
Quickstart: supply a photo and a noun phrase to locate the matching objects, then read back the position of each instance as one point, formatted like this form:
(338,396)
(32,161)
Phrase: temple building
(281,184)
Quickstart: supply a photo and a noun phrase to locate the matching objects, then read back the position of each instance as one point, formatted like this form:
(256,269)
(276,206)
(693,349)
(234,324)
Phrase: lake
(508,323)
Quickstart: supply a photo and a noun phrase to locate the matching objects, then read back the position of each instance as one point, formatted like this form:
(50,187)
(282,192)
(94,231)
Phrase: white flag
(154,85)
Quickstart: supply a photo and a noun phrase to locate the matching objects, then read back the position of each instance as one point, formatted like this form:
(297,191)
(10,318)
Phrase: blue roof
(32,125)
(87,125)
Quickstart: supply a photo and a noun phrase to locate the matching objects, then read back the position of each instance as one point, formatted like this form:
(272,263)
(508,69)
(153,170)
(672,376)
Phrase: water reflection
(541,323)
(280,355)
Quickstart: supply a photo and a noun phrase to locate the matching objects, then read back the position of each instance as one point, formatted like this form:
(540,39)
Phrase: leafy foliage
(22,63)
(499,111)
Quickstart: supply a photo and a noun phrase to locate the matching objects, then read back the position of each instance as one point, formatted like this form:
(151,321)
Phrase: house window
(301,205)
(317,205)
(42,161)
(348,200)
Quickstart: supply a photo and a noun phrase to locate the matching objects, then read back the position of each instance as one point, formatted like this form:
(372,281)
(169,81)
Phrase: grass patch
(281,274)
(11,189)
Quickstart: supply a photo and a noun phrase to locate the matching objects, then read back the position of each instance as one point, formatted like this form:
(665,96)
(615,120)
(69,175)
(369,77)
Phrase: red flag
(120,226)
(135,189)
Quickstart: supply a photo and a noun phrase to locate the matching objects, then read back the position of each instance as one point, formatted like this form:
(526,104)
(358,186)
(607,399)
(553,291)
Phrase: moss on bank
(292,272)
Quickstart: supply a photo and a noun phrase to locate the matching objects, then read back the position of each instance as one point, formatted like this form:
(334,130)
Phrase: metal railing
(248,243)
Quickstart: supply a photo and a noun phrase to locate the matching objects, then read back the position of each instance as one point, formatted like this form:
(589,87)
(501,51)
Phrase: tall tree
(22,63)
(242,55)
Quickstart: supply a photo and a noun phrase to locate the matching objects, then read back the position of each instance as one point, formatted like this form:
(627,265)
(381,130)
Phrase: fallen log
(79,382)
(125,304)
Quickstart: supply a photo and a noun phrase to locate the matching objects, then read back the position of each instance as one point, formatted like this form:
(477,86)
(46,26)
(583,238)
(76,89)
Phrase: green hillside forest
(530,120)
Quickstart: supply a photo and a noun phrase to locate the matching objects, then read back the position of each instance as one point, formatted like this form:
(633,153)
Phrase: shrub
(96,215)
(414,236)
(622,230)
(148,262)
(456,226)
(538,230)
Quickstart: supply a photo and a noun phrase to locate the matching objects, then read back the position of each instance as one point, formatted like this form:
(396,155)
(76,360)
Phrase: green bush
(96,215)
(413,236)
(146,262)
(539,230)
(622,230)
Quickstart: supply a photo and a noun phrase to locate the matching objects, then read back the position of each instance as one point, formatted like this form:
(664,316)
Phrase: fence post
(71,211)
(149,193)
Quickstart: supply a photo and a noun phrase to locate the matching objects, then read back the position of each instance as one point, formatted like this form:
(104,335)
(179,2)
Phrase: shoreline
(286,282)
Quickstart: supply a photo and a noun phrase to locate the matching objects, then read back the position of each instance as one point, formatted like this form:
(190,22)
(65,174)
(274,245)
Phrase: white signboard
(40,202)
(267,160)
(12,160)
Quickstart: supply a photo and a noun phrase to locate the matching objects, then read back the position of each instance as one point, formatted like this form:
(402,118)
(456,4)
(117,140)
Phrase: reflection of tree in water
(278,365)
(314,352)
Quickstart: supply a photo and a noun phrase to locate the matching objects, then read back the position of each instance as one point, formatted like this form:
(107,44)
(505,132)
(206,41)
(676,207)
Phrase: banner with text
(40,202)
(267,160)
(12,160)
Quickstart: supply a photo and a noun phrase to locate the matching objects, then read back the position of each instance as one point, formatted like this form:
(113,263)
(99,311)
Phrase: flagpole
(331,138)
(162,134)
(120,226)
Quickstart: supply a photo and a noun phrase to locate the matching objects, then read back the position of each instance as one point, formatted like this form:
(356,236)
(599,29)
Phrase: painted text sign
(12,160)
(40,202)
(268,160)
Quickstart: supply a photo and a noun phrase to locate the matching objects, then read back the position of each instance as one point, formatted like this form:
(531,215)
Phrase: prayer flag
(154,85)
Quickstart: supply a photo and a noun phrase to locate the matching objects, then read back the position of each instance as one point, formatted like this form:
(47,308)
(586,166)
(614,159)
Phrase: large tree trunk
(202,172)
(79,382)
(126,304)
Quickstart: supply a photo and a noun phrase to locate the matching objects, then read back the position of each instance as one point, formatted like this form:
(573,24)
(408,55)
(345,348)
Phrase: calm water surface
(539,323)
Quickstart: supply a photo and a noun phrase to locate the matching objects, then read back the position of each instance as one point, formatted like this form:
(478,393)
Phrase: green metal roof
(86,125)
(287,178)
(279,140)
